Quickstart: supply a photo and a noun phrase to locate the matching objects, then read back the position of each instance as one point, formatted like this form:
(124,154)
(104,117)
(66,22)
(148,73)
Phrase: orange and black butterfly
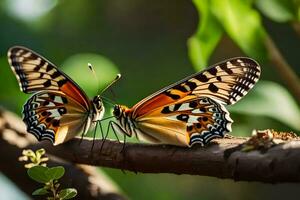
(58,109)
(191,110)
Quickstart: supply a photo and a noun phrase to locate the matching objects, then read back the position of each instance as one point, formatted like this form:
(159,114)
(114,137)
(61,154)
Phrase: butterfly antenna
(111,83)
(94,73)
(109,101)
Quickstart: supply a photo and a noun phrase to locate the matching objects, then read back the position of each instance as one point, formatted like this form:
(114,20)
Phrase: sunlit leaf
(278,10)
(40,191)
(67,193)
(243,24)
(55,172)
(38,173)
(271,100)
(204,41)
(77,67)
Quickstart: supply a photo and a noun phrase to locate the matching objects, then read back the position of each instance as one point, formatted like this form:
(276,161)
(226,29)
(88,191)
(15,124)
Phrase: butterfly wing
(192,110)
(190,121)
(54,92)
(34,73)
(227,82)
(54,116)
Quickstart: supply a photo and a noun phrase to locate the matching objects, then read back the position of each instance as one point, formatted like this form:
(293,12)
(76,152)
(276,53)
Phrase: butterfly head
(98,108)
(119,110)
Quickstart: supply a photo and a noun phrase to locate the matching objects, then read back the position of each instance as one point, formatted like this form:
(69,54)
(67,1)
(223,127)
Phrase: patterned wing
(59,109)
(35,73)
(54,116)
(225,82)
(192,110)
(196,120)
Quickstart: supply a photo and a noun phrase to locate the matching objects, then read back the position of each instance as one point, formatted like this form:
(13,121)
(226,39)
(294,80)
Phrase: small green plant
(49,176)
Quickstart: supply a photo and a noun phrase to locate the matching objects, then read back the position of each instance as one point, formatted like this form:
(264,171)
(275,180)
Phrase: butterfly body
(191,110)
(58,109)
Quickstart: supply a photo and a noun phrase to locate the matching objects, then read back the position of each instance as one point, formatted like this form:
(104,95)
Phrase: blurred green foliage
(146,42)
(280,11)
(237,18)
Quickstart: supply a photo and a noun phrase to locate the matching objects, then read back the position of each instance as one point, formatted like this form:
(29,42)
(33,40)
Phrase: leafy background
(153,44)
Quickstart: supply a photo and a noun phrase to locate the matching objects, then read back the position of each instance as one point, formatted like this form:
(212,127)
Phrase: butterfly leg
(104,137)
(83,133)
(94,136)
(124,145)
(115,133)
(117,128)
(101,129)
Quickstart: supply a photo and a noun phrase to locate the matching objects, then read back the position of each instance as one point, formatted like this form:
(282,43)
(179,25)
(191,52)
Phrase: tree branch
(222,159)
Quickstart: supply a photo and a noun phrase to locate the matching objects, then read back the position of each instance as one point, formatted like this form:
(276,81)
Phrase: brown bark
(223,158)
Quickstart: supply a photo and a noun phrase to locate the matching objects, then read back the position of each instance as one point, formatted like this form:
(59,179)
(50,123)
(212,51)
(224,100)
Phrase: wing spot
(193,104)
(213,88)
(45,103)
(64,100)
(47,83)
(191,85)
(226,69)
(44,113)
(166,110)
(49,67)
(55,123)
(55,75)
(62,110)
(183,117)
(213,71)
(173,96)
(62,82)
(202,78)
(189,128)
(202,109)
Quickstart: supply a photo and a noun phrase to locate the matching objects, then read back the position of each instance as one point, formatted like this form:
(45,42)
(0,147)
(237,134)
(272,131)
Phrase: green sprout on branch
(38,171)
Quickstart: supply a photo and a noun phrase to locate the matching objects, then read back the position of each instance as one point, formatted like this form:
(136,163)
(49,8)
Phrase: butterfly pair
(184,113)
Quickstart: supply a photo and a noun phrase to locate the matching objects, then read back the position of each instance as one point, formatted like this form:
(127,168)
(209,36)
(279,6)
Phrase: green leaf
(278,10)
(40,191)
(204,41)
(67,193)
(243,24)
(55,172)
(77,68)
(38,173)
(271,100)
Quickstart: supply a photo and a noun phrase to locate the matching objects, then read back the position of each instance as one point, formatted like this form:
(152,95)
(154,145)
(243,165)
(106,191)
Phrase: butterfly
(192,110)
(59,109)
